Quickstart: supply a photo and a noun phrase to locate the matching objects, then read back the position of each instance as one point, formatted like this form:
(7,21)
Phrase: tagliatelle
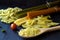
(40,21)
(32,26)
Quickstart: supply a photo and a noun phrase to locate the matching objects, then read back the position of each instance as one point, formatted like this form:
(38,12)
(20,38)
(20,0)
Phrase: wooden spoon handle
(52,28)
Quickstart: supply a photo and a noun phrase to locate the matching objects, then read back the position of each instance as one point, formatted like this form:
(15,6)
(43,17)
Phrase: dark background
(11,35)
(22,3)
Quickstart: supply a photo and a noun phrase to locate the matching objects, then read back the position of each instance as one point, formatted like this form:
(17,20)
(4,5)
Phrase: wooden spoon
(43,30)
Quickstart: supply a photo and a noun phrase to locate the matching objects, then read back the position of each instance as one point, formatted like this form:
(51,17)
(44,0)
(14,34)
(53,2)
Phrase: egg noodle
(9,15)
(32,26)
